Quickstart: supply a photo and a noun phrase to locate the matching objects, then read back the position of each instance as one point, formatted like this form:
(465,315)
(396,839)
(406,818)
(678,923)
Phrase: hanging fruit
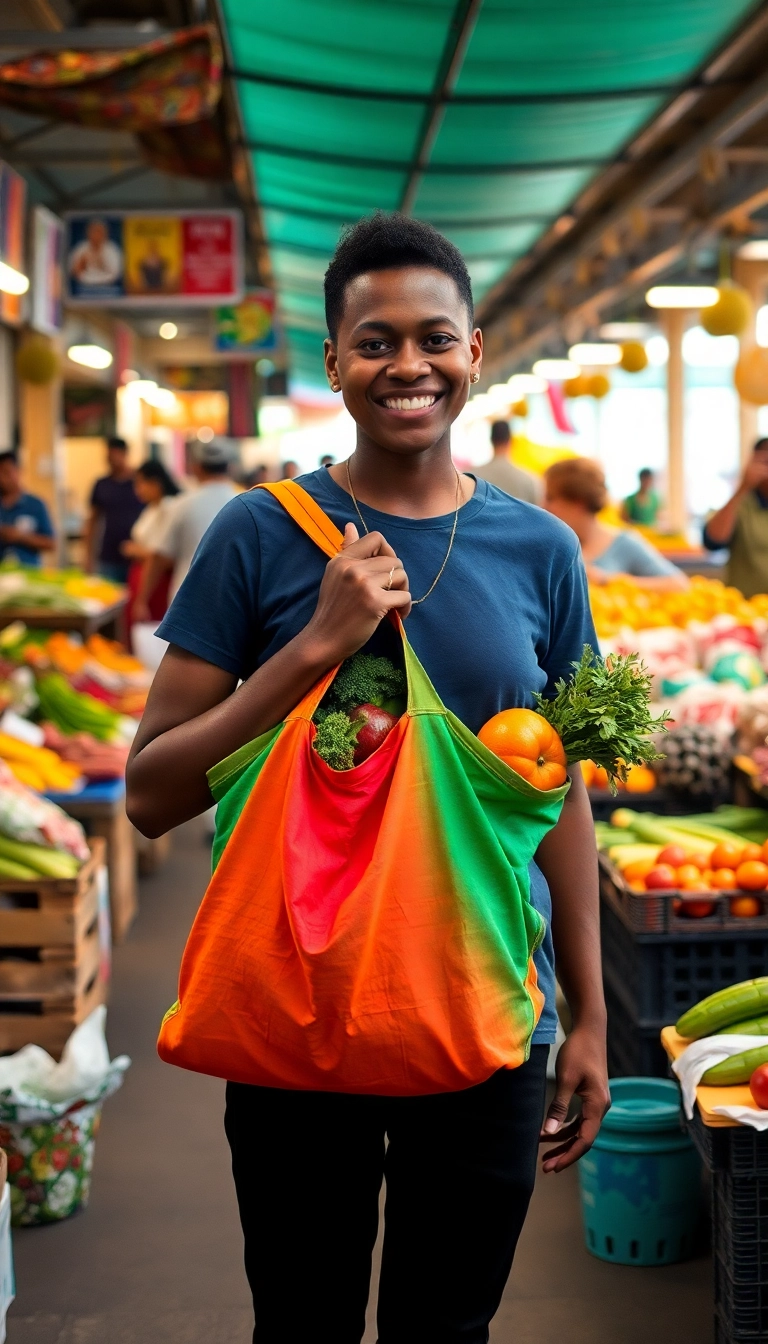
(732,313)
(598,386)
(633,357)
(576,387)
(751,376)
(520,408)
(36,361)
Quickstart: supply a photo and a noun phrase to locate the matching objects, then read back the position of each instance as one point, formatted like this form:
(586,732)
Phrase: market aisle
(156,1259)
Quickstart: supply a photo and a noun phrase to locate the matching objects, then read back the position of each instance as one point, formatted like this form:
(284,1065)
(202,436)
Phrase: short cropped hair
(384,242)
(580,480)
(500,433)
(114,441)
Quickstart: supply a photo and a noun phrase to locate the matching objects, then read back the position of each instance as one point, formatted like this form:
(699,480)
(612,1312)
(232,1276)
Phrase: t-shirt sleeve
(634,555)
(571,625)
(215,613)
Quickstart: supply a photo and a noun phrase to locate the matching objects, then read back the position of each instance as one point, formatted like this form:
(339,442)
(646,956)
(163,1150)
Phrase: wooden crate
(53,956)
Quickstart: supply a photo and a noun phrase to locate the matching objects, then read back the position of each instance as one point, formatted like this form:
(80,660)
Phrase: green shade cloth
(498,173)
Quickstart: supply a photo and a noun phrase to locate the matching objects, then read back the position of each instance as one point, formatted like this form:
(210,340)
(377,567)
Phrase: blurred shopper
(25,524)
(503,612)
(742,526)
(187,522)
(502,472)
(158,492)
(327,460)
(115,506)
(642,507)
(575,492)
(289,471)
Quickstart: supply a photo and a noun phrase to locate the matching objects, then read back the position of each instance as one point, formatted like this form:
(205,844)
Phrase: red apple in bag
(376,725)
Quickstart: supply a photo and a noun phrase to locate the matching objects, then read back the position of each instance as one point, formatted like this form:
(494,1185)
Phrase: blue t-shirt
(629,553)
(509,615)
(30,514)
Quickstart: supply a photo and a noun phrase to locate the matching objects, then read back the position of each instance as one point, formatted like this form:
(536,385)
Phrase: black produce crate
(742,1154)
(740,1231)
(660,911)
(658,977)
(634,1050)
(663,802)
(741,1309)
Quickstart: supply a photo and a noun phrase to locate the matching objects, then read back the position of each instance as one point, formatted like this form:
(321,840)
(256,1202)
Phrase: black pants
(459,1169)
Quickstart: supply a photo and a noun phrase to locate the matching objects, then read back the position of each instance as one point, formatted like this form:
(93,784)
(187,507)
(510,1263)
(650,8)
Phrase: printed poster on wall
(47,256)
(13,200)
(247,328)
(132,258)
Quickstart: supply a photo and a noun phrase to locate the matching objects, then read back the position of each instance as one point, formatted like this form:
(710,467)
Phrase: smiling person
(494,596)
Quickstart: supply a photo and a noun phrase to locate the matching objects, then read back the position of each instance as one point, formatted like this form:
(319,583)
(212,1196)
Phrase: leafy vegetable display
(363,704)
(602,713)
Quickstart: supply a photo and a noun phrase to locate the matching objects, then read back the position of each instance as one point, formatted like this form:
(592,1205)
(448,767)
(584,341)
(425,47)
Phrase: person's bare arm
(567,857)
(16,536)
(153,569)
(89,539)
(654,583)
(722,525)
(195,717)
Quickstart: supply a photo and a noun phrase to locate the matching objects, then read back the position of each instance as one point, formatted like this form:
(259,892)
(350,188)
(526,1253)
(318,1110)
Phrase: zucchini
(754,1026)
(734,1004)
(737,1069)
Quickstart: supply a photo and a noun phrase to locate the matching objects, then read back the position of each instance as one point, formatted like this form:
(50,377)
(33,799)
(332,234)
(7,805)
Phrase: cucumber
(754,1026)
(737,1069)
(734,1004)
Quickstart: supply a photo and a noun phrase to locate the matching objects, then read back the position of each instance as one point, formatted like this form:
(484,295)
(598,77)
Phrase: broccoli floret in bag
(366,680)
(335,740)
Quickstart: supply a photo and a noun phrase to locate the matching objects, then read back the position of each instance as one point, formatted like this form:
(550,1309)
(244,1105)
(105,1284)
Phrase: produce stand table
(101,809)
(737,1157)
(54,955)
(109,621)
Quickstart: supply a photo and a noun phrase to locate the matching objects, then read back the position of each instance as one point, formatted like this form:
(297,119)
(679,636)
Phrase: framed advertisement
(134,258)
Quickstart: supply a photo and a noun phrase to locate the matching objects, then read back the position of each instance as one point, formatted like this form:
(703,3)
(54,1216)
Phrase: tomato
(699,860)
(752,875)
(694,909)
(726,855)
(751,852)
(688,872)
(723,879)
(674,855)
(746,907)
(638,871)
(677,905)
(758,1086)
(661,878)
(637,885)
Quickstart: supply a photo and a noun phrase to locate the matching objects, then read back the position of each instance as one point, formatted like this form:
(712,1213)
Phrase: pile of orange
(640,778)
(729,867)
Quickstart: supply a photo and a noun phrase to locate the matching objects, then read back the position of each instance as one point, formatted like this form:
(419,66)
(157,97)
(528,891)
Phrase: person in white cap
(189,520)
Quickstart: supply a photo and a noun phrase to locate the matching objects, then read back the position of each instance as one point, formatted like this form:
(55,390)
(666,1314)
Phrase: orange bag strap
(305,511)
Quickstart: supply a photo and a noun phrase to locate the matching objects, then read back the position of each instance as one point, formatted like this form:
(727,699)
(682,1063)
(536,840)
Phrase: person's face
(97,233)
(646,480)
(148,491)
(117,459)
(404,337)
(9,477)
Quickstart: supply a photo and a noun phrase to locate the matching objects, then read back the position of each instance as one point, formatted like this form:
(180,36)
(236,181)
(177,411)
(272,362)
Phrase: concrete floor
(156,1258)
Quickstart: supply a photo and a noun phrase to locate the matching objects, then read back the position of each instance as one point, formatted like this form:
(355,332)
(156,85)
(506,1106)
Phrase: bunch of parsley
(602,713)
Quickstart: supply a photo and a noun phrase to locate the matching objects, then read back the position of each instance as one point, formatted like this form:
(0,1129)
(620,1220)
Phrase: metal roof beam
(407,165)
(463,21)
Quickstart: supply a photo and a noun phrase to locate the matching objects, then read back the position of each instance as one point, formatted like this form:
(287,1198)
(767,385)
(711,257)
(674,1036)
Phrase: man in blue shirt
(25,524)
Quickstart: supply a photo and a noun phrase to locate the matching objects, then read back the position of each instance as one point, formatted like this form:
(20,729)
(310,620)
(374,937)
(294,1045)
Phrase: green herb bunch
(602,713)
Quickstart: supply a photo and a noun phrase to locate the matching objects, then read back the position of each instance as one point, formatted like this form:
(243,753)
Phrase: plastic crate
(659,977)
(741,1153)
(654,912)
(740,1231)
(665,802)
(741,1309)
(634,1051)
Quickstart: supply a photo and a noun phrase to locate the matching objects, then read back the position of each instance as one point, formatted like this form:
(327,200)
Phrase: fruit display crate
(658,976)
(741,1309)
(741,1153)
(54,954)
(634,1050)
(659,911)
(740,1226)
(665,802)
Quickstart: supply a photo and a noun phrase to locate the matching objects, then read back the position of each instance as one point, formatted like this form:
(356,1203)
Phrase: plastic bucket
(641,1181)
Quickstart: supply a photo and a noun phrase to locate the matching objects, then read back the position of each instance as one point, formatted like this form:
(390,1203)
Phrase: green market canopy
(486,119)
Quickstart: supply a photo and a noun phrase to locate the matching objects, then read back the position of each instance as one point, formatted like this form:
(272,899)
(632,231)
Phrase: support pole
(675,322)
(41,448)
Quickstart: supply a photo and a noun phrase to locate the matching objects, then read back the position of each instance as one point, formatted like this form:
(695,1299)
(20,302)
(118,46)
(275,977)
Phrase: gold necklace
(415,601)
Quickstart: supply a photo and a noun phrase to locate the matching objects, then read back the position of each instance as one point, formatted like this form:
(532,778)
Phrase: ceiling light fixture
(556,370)
(168,330)
(525,384)
(90,356)
(625,331)
(681,296)
(756,250)
(594,353)
(11,280)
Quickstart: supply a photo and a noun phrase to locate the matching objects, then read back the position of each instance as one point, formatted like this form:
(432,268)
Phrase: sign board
(129,258)
(47,257)
(247,328)
(13,200)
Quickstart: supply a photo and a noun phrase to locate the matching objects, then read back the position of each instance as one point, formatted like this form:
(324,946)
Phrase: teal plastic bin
(641,1180)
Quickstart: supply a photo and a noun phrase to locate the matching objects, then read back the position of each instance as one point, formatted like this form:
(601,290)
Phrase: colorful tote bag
(367,930)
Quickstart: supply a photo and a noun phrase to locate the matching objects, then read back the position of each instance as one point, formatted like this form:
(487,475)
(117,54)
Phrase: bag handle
(305,511)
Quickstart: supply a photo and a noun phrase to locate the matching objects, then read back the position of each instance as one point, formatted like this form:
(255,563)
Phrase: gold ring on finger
(391,572)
